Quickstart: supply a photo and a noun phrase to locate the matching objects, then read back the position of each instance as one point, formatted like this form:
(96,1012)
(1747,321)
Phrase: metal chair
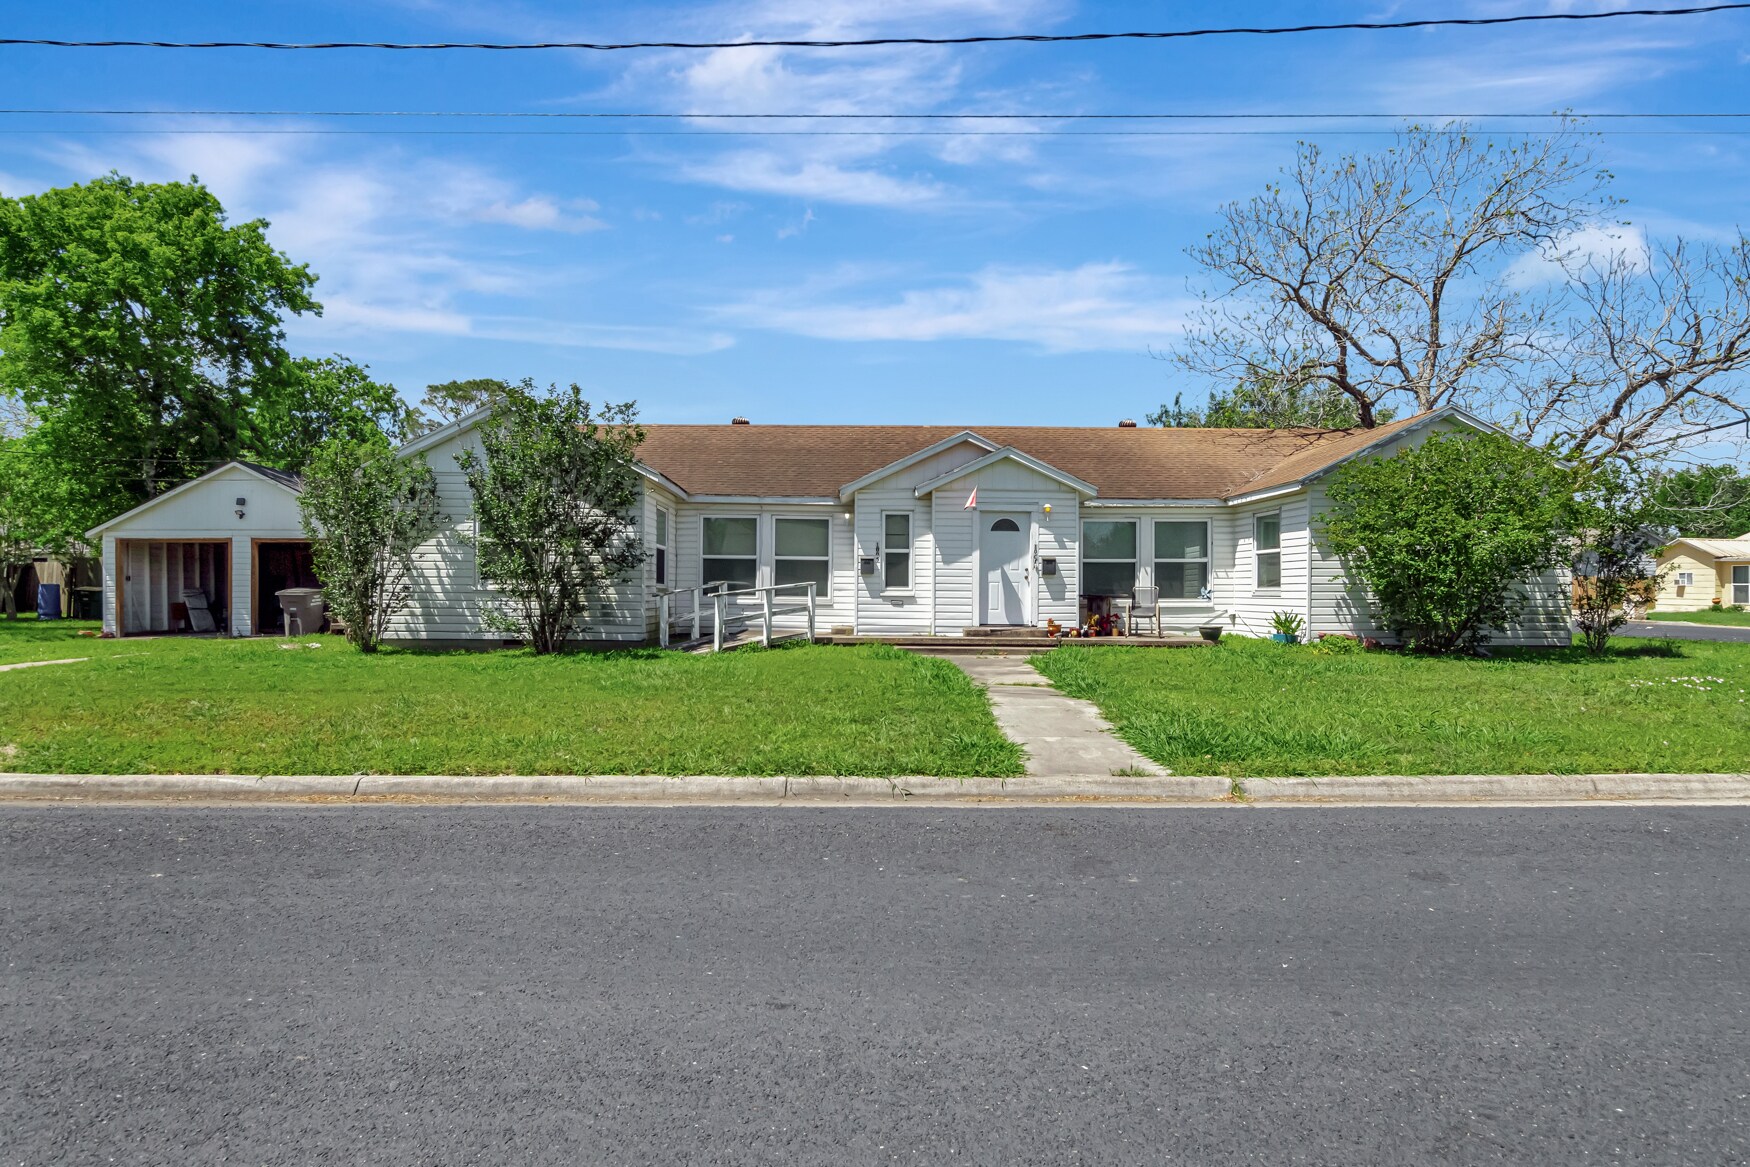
(1145,606)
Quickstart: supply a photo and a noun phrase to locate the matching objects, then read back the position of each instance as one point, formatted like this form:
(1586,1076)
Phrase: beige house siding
(1710,583)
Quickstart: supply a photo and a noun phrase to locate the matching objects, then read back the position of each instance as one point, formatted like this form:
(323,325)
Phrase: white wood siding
(449,601)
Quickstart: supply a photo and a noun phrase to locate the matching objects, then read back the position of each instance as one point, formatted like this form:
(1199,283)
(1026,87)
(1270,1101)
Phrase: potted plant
(1287,626)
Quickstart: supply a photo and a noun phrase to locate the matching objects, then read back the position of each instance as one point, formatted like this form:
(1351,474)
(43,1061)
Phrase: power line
(681,116)
(894,133)
(1062,38)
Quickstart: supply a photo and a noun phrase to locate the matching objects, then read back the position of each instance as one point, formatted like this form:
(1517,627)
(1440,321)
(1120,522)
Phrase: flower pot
(1210,632)
(1285,637)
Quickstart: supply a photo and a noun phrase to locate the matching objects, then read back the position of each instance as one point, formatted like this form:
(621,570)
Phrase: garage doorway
(279,564)
(161,580)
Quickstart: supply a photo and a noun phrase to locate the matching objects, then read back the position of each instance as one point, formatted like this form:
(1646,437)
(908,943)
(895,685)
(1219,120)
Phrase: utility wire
(1064,38)
(1065,117)
(895,133)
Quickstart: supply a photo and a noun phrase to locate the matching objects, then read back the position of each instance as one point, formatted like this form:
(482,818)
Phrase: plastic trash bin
(303,610)
(48,601)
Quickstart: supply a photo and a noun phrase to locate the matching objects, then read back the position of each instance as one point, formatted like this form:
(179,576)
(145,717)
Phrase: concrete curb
(1089,788)
(1461,788)
(602,789)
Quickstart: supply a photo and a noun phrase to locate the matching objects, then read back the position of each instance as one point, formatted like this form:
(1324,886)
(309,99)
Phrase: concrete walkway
(37,664)
(1063,736)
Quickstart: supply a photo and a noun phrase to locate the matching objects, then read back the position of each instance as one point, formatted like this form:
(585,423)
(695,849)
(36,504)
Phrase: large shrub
(1445,534)
(554,486)
(365,510)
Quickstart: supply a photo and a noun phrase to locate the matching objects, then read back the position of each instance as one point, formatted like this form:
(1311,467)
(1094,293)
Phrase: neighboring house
(918,530)
(1696,573)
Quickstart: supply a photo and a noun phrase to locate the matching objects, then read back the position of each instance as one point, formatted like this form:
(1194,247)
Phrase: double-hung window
(1181,559)
(1267,549)
(659,547)
(896,551)
(1108,557)
(1741,584)
(731,551)
(803,553)
(1686,579)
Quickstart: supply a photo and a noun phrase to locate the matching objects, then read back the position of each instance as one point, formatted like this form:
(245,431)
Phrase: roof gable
(280,479)
(964,437)
(1005,454)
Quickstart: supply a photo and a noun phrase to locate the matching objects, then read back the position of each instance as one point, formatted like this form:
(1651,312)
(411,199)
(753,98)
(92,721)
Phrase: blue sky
(884,278)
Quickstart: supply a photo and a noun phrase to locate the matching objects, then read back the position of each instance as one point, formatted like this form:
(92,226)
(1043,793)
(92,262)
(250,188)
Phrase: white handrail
(769,608)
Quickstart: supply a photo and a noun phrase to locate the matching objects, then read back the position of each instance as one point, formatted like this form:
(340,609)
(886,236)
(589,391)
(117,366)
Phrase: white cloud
(772,172)
(1600,243)
(1094,306)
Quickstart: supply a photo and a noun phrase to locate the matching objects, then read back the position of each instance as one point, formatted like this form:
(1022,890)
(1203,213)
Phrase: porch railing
(721,597)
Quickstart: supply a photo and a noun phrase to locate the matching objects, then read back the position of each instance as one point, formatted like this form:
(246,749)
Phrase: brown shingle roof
(814,461)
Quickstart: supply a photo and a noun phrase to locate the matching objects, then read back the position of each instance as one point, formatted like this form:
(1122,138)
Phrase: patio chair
(1145,606)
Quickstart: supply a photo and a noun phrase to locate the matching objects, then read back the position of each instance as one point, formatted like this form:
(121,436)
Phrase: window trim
(1082,553)
(911,562)
(704,578)
(661,536)
(820,593)
(1259,552)
(1685,579)
(1208,575)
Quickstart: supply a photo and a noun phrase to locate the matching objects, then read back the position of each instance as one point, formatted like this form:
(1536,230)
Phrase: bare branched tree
(1657,347)
(1383,274)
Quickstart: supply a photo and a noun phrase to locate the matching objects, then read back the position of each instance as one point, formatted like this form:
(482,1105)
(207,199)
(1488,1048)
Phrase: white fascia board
(1012,454)
(930,451)
(193,482)
(663,481)
(766,500)
(1203,503)
(1267,495)
(444,432)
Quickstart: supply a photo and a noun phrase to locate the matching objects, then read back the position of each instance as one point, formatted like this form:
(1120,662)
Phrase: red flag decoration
(971,500)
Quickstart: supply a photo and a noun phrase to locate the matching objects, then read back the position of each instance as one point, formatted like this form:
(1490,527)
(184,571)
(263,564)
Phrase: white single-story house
(1697,573)
(905,530)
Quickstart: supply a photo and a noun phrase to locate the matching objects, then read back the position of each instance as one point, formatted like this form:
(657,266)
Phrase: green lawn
(1256,709)
(1723,616)
(175,705)
(28,638)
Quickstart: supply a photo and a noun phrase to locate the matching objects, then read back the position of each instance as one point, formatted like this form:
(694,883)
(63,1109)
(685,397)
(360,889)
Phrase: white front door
(1002,557)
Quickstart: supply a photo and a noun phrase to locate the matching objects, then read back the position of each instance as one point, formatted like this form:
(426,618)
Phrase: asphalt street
(1682,631)
(445,985)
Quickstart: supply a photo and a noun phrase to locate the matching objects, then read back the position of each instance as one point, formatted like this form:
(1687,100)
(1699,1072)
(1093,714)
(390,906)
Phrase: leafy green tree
(1445,533)
(365,511)
(554,488)
(453,399)
(1707,502)
(31,501)
(321,399)
(1267,400)
(134,319)
(1618,537)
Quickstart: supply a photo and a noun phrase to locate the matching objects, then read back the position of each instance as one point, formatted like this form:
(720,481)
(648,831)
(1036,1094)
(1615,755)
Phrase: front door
(1741,585)
(1002,557)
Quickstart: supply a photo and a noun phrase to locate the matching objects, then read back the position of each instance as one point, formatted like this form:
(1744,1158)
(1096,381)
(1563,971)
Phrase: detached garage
(207,557)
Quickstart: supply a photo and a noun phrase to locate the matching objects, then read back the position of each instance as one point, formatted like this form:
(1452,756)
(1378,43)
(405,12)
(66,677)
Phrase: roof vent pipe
(1127,424)
(739,421)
